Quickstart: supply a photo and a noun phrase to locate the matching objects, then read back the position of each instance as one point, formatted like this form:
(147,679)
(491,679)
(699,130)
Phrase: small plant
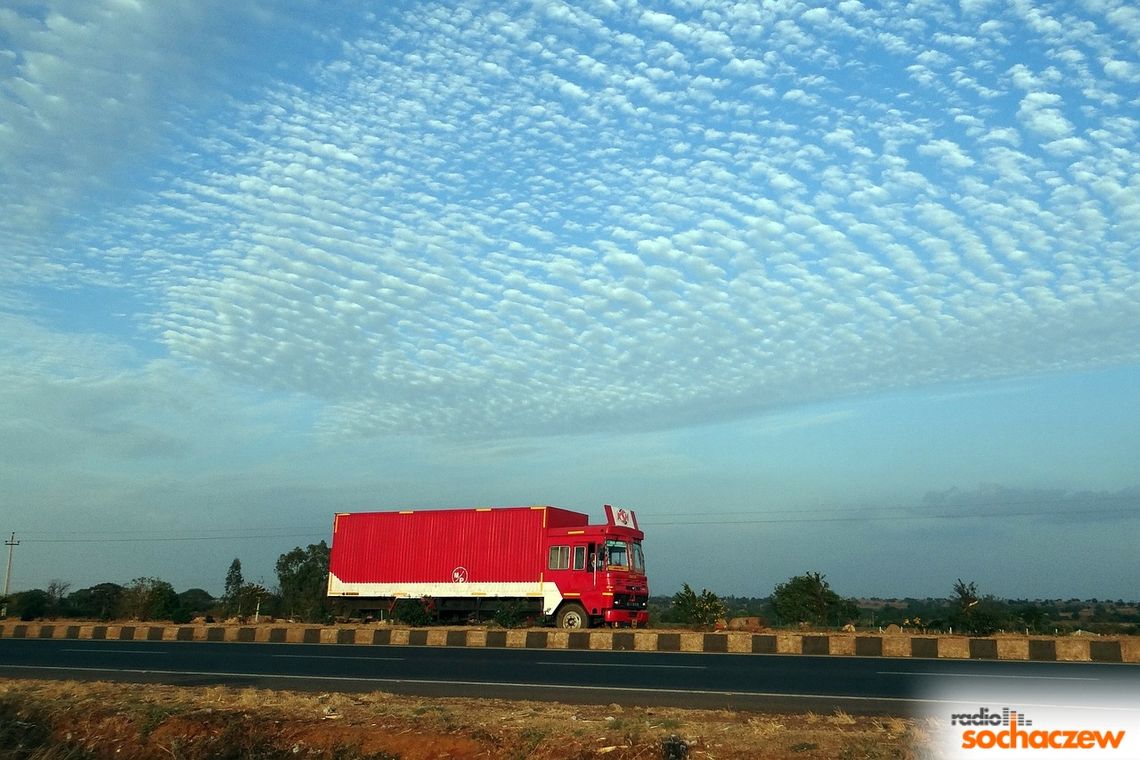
(699,610)
(674,747)
(411,612)
(509,615)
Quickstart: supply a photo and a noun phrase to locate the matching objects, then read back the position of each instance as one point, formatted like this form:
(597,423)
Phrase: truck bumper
(635,618)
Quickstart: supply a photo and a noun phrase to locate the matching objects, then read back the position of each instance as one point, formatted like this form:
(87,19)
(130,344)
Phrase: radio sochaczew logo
(1006,728)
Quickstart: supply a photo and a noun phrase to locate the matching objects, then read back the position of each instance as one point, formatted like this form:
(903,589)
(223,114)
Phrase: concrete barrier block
(1073,650)
(928,646)
(896,646)
(1013,649)
(603,640)
(1105,651)
(623,641)
(578,640)
(645,641)
(477,638)
(739,642)
(764,643)
(957,647)
(953,647)
(869,646)
(692,642)
(815,645)
(842,645)
(789,643)
(1130,649)
(714,642)
(983,649)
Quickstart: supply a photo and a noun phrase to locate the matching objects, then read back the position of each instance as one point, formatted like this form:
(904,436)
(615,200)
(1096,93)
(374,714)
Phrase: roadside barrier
(1039,648)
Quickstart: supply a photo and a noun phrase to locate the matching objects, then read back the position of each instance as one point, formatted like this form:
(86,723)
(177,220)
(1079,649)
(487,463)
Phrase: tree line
(808,601)
(302,575)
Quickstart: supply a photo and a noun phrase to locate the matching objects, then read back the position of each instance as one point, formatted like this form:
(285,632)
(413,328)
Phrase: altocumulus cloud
(553,218)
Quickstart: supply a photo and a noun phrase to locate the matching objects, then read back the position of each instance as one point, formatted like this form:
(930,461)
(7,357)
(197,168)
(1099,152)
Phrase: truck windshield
(617,553)
(638,559)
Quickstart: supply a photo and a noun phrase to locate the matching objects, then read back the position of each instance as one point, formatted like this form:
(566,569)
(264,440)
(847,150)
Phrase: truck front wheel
(573,615)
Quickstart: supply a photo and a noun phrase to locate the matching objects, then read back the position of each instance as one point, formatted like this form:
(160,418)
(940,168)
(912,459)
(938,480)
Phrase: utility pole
(11,543)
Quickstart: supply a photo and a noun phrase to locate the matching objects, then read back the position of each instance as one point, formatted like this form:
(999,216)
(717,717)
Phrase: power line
(1123,512)
(161,538)
(768,517)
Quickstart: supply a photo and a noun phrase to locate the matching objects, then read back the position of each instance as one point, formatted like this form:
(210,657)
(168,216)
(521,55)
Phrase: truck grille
(630,602)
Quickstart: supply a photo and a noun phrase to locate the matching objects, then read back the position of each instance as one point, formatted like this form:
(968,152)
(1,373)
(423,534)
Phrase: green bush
(700,610)
(411,612)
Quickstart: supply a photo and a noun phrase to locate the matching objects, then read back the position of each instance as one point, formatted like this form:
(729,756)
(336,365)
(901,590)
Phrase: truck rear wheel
(573,615)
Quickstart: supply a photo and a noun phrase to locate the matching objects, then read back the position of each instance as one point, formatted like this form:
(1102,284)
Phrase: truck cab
(600,572)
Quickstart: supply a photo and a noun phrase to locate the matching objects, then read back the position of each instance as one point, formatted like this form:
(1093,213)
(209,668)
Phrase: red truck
(465,564)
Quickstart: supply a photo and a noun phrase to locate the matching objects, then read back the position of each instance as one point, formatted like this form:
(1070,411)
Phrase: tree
(29,605)
(250,599)
(970,613)
(808,598)
(56,591)
(196,601)
(702,610)
(99,602)
(1033,617)
(302,575)
(234,582)
(149,599)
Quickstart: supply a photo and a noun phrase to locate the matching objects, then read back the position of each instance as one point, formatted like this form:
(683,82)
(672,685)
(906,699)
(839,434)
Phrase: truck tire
(573,615)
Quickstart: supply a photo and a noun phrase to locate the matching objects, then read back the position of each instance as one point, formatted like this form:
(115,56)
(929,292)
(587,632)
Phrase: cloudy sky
(851,288)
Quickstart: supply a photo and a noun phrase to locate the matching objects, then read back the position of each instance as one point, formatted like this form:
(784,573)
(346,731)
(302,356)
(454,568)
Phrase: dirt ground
(43,720)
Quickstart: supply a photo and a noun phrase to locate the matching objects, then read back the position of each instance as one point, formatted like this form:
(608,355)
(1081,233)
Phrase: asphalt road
(857,685)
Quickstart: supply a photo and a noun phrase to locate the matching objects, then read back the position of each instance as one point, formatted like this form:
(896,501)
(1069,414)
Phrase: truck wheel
(573,615)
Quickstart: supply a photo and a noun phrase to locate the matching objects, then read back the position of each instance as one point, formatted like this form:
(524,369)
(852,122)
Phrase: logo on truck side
(459,575)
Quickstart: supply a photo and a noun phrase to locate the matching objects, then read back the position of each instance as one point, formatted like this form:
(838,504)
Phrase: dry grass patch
(42,720)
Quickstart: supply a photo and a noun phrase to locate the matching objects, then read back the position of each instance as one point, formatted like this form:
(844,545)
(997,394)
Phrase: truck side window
(559,558)
(579,558)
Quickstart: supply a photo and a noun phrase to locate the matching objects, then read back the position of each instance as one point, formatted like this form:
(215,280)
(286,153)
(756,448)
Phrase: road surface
(857,685)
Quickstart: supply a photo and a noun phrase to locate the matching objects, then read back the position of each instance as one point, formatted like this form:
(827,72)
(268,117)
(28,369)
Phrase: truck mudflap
(635,618)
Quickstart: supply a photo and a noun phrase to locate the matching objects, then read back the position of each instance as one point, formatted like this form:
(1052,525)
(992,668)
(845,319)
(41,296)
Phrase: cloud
(574,220)
(90,89)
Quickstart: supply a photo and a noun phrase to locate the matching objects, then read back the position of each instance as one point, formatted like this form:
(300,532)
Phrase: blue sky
(849,288)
